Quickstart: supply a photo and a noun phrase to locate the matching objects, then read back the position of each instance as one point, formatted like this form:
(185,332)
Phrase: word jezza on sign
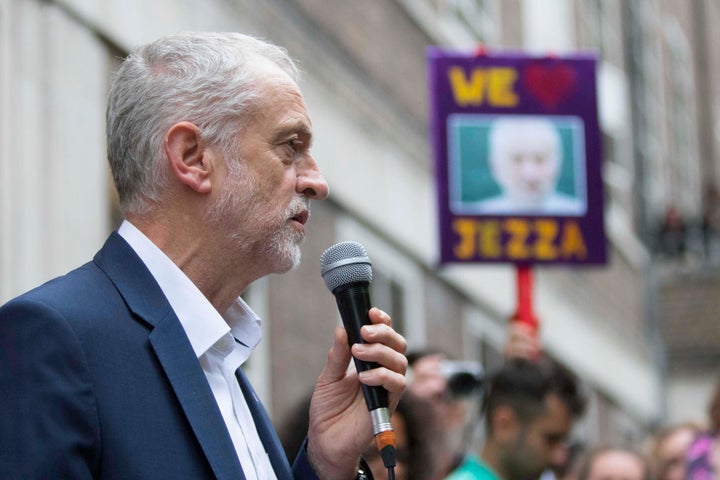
(518,239)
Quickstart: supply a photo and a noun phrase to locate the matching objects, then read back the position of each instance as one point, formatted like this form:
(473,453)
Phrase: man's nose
(311,182)
(530,168)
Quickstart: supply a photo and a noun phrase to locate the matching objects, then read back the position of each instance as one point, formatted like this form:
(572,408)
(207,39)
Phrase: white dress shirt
(221,344)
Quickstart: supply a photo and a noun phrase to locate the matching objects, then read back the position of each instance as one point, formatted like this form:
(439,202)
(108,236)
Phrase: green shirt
(472,468)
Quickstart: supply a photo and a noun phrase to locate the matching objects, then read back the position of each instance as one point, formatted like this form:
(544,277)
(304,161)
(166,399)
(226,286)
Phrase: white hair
(209,79)
(525,133)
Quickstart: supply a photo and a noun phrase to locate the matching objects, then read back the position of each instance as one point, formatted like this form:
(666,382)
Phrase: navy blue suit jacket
(99,380)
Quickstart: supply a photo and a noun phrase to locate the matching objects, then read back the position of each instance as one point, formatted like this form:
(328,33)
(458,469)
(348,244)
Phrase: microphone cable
(385,443)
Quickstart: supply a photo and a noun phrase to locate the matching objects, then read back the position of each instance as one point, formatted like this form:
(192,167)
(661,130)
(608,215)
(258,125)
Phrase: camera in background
(464,377)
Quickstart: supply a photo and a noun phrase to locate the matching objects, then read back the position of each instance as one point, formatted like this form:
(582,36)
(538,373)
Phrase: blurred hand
(522,341)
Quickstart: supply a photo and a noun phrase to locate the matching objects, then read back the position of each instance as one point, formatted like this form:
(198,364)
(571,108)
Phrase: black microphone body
(353,301)
(347,272)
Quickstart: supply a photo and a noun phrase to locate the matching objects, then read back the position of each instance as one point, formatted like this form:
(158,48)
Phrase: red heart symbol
(550,84)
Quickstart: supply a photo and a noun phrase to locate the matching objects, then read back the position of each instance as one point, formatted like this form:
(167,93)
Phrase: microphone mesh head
(345,263)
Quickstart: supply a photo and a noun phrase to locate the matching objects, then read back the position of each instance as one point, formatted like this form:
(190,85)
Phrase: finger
(384,334)
(525,331)
(379,316)
(382,355)
(393,382)
(518,348)
(338,356)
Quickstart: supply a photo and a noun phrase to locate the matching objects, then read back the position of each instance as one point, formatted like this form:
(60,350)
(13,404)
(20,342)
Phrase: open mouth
(301,217)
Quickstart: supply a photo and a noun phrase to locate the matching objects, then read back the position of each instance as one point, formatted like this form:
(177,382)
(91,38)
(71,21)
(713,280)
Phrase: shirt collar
(203,325)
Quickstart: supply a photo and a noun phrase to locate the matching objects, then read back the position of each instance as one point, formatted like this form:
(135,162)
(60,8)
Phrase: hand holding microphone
(347,272)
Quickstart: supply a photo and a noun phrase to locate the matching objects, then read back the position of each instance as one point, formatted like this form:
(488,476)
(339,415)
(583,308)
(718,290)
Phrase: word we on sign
(494,86)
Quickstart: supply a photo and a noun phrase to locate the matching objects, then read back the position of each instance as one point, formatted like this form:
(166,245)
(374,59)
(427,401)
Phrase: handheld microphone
(347,272)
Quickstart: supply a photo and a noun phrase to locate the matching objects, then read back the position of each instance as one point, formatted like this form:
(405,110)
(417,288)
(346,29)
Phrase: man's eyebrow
(299,127)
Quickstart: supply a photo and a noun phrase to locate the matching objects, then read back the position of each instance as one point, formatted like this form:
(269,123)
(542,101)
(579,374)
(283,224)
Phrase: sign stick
(524,313)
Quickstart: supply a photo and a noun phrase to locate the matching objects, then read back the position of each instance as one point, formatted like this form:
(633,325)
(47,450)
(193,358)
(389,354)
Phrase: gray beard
(282,249)
(285,244)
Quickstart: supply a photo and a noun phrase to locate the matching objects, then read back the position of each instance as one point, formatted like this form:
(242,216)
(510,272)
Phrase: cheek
(540,447)
(280,183)
(273,189)
(550,172)
(511,176)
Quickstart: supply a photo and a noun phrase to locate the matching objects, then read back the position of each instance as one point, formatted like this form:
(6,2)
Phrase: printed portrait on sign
(516,165)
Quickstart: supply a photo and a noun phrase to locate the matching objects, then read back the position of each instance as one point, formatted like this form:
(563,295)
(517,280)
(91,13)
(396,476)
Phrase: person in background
(523,342)
(529,410)
(292,430)
(415,427)
(456,404)
(565,464)
(672,236)
(614,463)
(710,224)
(129,366)
(669,450)
(416,438)
(703,457)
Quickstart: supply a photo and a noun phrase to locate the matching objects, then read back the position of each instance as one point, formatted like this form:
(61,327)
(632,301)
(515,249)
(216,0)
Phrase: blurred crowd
(459,422)
(688,239)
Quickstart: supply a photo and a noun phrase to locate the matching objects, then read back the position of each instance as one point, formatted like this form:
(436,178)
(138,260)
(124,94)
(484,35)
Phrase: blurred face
(263,200)
(616,465)
(537,444)
(670,455)
(526,162)
(429,382)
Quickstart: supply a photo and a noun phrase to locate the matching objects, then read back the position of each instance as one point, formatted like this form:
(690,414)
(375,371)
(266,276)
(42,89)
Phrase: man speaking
(129,366)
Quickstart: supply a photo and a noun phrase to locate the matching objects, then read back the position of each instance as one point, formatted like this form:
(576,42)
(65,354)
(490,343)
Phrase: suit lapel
(265,429)
(188,380)
(145,298)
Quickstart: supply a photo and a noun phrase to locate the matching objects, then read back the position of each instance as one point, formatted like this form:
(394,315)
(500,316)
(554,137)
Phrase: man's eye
(295,144)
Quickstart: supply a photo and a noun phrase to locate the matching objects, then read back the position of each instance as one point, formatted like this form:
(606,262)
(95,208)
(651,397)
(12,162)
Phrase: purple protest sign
(517,150)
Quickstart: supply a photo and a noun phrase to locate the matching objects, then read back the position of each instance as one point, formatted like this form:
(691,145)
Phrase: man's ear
(505,424)
(189,159)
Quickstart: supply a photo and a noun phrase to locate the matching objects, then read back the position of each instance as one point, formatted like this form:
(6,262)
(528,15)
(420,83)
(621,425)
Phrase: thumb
(338,357)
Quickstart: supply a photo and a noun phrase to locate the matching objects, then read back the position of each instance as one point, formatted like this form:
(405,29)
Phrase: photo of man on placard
(517,165)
